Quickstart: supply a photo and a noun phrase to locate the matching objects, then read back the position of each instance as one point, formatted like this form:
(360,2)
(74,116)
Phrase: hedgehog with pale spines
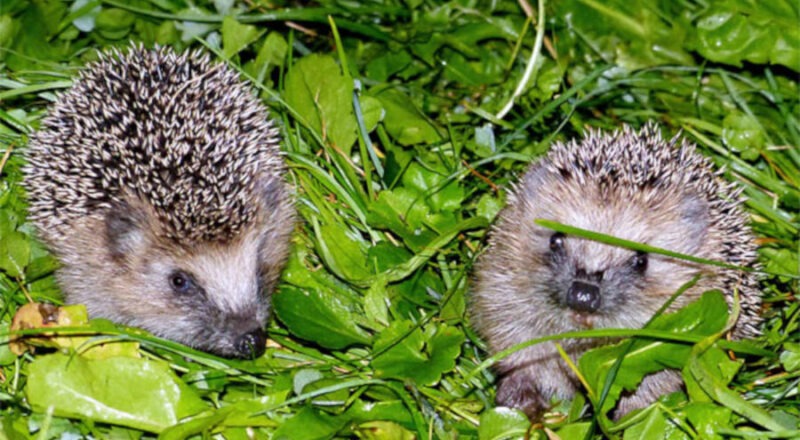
(158,182)
(533,282)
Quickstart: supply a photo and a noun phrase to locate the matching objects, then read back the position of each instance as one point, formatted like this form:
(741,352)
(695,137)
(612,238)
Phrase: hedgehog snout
(584,291)
(251,344)
(583,296)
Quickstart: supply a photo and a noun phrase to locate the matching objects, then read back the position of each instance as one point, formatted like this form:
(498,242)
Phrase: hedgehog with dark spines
(157,180)
(532,281)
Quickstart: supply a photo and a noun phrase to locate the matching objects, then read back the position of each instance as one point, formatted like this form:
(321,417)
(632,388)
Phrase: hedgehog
(158,183)
(532,282)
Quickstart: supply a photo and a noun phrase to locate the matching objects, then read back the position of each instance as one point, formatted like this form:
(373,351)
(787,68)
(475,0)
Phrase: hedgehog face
(598,285)
(214,295)
(553,283)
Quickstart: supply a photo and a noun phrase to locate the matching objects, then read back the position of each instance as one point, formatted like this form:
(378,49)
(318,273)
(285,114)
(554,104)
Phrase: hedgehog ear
(124,229)
(694,217)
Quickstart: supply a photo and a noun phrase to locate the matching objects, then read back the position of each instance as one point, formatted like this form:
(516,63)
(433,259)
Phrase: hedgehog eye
(640,262)
(557,242)
(181,282)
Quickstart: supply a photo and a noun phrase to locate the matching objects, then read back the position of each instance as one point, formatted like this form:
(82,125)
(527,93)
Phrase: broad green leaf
(236,36)
(382,67)
(309,424)
(344,255)
(375,302)
(489,206)
(574,430)
(243,413)
(429,183)
(323,97)
(707,374)
(15,253)
(404,122)
(405,212)
(632,33)
(304,377)
(716,363)
(732,32)
(8,28)
(114,23)
(790,357)
(708,419)
(392,410)
(503,423)
(273,52)
(383,430)
(318,316)
(406,352)
(782,261)
(6,356)
(654,425)
(704,317)
(372,110)
(743,133)
(138,393)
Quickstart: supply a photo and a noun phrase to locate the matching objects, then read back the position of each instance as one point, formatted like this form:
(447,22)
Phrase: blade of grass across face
(609,239)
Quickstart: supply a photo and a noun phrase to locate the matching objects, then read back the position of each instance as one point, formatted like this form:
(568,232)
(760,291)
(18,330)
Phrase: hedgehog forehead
(228,272)
(663,219)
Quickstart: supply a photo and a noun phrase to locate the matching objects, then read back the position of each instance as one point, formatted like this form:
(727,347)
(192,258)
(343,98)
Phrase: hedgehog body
(157,181)
(532,282)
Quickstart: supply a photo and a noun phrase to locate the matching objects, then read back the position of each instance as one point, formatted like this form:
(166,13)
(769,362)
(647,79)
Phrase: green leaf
(372,110)
(630,33)
(342,254)
(706,376)
(404,122)
(236,36)
(708,419)
(406,352)
(304,377)
(654,425)
(743,133)
(309,424)
(503,423)
(375,302)
(319,317)
(114,23)
(440,198)
(489,206)
(704,317)
(790,357)
(138,393)
(383,430)
(732,32)
(273,51)
(392,410)
(15,253)
(320,94)
(715,362)
(8,28)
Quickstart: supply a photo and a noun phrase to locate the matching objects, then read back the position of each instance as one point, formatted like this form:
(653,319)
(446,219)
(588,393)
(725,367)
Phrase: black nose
(252,344)
(583,297)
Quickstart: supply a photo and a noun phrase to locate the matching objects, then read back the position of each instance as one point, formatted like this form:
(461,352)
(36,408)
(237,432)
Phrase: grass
(397,182)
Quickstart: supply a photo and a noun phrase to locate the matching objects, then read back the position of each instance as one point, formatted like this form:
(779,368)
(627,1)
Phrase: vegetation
(389,115)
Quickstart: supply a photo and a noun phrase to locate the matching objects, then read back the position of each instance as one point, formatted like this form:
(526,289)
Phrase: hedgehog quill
(533,282)
(158,183)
